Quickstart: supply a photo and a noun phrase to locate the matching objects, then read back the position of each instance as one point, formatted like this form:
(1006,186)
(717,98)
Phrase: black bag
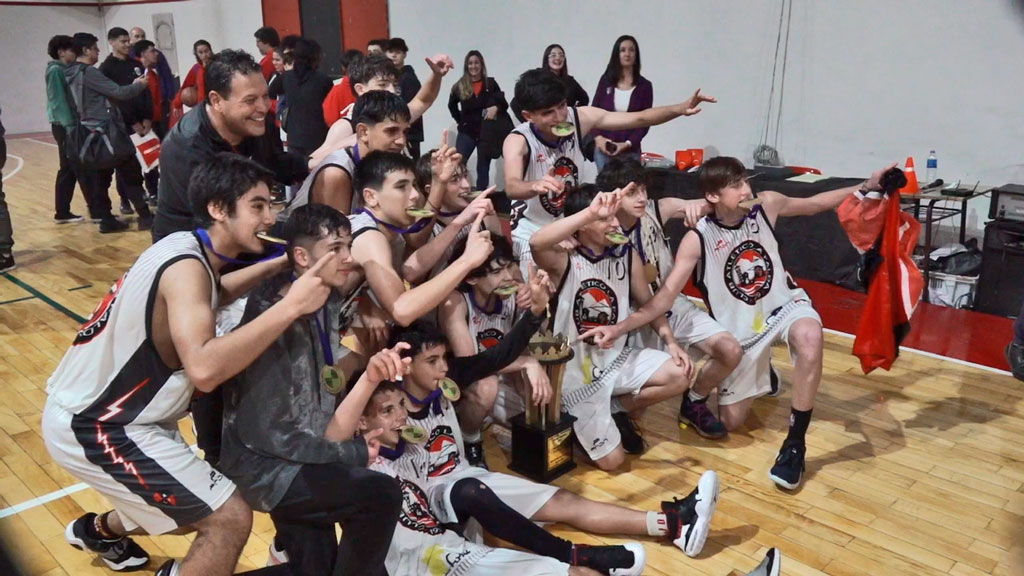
(97,145)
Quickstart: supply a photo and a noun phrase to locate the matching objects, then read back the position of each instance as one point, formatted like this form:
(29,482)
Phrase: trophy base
(542,454)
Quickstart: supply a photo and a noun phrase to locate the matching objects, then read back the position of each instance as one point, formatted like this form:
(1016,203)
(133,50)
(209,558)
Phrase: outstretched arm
(599,119)
(440,65)
(776,204)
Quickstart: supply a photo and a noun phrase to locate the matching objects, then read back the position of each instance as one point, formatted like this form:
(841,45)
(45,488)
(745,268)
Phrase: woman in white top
(622,89)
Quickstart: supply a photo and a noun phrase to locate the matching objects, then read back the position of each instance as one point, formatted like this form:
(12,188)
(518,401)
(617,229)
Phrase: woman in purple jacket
(622,89)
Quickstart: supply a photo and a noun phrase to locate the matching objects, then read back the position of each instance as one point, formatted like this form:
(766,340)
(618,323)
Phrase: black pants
(130,173)
(67,176)
(364,502)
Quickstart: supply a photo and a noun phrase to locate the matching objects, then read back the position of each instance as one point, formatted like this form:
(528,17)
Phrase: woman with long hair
(555,62)
(622,89)
(475,97)
(193,88)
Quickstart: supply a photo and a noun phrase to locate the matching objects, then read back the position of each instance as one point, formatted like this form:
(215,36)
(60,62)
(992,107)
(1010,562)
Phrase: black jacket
(409,85)
(469,113)
(124,72)
(194,140)
(306,90)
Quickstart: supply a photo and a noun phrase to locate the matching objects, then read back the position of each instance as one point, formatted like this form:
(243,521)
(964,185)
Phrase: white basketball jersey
(594,292)
(444,446)
(649,239)
(741,274)
(340,159)
(442,262)
(422,545)
(488,327)
(112,372)
(362,222)
(566,158)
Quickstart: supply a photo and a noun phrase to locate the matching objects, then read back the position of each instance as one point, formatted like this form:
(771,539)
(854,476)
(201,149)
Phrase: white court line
(21,163)
(41,142)
(55,495)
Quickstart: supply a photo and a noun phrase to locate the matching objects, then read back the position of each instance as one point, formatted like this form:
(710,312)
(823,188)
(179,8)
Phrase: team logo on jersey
(416,513)
(518,209)
(749,272)
(442,451)
(565,170)
(595,304)
(348,312)
(100,316)
(488,338)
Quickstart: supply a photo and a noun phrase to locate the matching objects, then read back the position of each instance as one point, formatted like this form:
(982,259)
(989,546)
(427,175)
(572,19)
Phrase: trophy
(542,436)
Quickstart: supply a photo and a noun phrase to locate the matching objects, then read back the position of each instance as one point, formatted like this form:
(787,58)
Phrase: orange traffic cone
(911,187)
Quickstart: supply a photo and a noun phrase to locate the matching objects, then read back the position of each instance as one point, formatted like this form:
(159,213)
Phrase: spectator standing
(193,88)
(341,98)
(408,86)
(622,89)
(475,97)
(266,40)
(60,111)
(306,88)
(6,232)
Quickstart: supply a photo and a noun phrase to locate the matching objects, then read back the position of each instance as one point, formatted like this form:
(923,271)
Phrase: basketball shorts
(690,325)
(503,561)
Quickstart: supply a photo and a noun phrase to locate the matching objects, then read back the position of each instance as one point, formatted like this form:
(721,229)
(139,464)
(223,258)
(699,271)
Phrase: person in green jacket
(60,111)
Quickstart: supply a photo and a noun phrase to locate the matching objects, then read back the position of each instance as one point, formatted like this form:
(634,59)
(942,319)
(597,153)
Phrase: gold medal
(506,290)
(616,238)
(450,390)
(651,272)
(332,379)
(413,434)
(563,129)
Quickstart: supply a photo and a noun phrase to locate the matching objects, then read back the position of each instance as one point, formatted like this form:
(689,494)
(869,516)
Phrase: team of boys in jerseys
(407,264)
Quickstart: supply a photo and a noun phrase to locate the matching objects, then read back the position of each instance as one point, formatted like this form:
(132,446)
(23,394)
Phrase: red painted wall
(283,15)
(362,21)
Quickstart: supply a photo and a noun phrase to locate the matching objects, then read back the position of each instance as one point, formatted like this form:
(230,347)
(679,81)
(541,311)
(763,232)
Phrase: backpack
(95,145)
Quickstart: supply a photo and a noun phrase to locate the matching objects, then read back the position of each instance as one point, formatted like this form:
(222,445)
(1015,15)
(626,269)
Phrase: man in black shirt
(136,114)
(234,118)
(408,87)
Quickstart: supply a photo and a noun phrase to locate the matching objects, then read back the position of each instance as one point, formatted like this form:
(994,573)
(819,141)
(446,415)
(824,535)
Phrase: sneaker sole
(69,221)
(705,510)
(781,483)
(129,565)
(639,561)
(685,423)
(8,269)
(770,566)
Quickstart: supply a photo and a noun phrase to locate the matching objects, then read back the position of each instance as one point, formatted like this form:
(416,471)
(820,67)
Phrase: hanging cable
(782,81)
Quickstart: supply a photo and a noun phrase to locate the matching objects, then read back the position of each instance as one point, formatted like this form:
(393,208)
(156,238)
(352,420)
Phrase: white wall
(867,82)
(24,31)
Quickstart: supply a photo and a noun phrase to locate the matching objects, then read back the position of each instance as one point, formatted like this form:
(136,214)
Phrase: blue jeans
(465,144)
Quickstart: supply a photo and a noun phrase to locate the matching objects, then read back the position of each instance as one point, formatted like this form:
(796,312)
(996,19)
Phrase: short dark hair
(223,179)
(348,57)
(619,172)
(719,172)
(58,43)
(373,170)
(369,67)
(386,386)
(502,253)
(420,335)
(376,106)
(310,223)
(424,174)
(268,35)
(116,32)
(579,199)
(141,46)
(306,53)
(538,89)
(83,40)
(382,42)
(223,67)
(397,45)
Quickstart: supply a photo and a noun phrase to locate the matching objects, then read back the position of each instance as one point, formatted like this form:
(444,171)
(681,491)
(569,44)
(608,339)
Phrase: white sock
(694,397)
(657,524)
(471,438)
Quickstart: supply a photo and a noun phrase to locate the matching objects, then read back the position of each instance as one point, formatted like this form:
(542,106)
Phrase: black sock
(799,420)
(472,498)
(98,528)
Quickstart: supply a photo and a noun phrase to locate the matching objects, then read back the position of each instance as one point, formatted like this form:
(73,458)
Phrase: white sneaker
(689,519)
(770,566)
(276,557)
(639,561)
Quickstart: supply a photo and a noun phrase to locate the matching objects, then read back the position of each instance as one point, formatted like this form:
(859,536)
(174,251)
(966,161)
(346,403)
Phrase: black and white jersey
(488,327)
(339,159)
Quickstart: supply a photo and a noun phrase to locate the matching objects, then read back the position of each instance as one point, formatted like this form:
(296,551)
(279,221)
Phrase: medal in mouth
(563,129)
(616,238)
(419,213)
(413,434)
(264,237)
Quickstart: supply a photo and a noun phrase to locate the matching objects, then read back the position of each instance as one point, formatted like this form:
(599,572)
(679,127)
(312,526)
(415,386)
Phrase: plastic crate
(952,290)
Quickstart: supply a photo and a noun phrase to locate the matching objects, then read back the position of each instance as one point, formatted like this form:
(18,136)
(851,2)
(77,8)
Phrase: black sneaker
(632,437)
(703,420)
(628,559)
(121,555)
(169,568)
(68,218)
(7,263)
(1015,358)
(689,519)
(278,196)
(126,208)
(151,200)
(110,225)
(475,454)
(788,470)
(145,222)
(776,380)
(770,566)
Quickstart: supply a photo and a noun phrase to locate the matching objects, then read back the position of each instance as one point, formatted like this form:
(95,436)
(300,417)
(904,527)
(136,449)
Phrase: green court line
(26,287)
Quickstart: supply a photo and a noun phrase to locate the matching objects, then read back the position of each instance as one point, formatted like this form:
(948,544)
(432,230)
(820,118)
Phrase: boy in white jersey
(746,287)
(544,156)
(605,389)
(642,220)
(115,399)
(377,72)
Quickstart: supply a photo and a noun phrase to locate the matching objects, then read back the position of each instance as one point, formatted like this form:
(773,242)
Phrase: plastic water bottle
(931,172)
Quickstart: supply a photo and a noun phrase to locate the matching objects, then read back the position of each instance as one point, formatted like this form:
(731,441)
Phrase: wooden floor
(917,471)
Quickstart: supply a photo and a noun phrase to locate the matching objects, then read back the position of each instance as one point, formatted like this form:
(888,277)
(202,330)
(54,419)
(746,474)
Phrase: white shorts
(502,562)
(524,496)
(594,426)
(147,472)
(521,251)
(690,325)
(752,376)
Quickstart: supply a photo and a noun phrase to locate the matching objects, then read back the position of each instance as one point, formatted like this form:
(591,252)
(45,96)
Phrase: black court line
(79,287)
(36,293)
(17,300)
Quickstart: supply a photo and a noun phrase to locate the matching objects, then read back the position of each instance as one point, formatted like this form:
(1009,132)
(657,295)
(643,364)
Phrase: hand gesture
(540,385)
(445,160)
(568,245)
(694,210)
(490,112)
(375,322)
(602,336)
(681,358)
(440,64)
(692,106)
(540,290)
(388,365)
(480,205)
(372,439)
(875,182)
(309,292)
(606,204)
(478,245)
(549,184)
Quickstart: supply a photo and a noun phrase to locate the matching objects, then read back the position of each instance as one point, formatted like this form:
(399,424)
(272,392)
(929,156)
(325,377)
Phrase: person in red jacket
(193,88)
(266,40)
(341,98)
